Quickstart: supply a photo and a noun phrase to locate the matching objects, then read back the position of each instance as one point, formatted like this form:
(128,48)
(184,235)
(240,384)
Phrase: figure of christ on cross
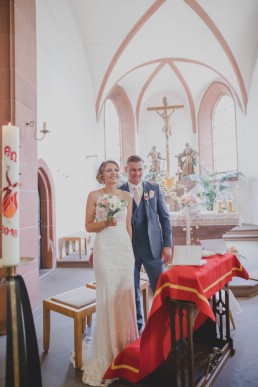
(166,127)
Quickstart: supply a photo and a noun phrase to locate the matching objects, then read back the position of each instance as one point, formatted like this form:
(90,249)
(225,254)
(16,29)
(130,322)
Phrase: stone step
(243,232)
(73,260)
(60,263)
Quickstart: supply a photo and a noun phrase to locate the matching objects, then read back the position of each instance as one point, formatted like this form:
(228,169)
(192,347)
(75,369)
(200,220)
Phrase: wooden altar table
(191,285)
(204,225)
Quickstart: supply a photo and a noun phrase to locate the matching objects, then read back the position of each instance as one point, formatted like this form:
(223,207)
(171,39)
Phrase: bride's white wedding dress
(116,325)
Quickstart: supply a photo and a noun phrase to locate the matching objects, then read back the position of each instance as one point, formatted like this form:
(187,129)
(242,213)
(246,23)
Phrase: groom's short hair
(135,159)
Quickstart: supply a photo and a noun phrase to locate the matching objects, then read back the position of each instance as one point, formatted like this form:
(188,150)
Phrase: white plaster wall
(247,133)
(66,102)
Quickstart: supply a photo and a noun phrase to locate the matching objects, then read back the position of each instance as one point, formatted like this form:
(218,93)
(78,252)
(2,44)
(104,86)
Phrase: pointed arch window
(224,135)
(112,132)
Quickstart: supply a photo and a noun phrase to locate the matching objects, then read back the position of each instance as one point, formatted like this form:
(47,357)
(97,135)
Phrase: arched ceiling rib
(205,17)
(189,95)
(144,88)
(195,38)
(123,45)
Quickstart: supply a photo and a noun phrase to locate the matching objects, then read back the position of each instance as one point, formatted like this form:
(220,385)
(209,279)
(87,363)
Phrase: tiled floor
(240,370)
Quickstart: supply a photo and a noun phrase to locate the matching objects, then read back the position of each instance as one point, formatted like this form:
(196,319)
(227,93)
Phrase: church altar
(204,225)
(193,286)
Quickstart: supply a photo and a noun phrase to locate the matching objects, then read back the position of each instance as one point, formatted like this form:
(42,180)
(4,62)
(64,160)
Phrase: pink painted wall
(121,100)
(18,105)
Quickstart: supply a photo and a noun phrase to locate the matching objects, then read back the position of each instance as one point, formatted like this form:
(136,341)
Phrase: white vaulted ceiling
(149,47)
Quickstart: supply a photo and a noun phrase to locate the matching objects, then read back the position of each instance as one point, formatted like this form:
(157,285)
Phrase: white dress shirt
(137,187)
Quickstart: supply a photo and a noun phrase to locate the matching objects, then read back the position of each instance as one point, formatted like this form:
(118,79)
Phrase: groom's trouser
(153,267)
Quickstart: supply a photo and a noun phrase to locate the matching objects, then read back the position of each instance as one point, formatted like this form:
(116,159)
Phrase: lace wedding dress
(116,325)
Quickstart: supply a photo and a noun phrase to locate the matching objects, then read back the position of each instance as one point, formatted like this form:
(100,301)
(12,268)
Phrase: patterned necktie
(136,195)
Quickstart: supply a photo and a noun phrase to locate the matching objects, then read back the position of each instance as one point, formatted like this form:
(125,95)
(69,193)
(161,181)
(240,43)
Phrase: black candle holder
(22,356)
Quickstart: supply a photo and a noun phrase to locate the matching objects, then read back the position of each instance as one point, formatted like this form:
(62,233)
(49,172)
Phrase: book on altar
(188,255)
(214,246)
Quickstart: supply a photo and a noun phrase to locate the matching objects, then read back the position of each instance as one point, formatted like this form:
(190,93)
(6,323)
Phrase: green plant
(212,184)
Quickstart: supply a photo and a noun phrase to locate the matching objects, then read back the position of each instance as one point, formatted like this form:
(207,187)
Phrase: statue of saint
(156,158)
(186,160)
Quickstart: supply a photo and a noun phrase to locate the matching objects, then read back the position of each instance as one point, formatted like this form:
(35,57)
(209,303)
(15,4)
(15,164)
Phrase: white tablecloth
(206,218)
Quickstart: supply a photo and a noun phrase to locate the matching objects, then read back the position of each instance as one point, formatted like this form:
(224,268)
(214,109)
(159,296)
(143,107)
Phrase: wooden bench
(144,287)
(78,304)
(65,241)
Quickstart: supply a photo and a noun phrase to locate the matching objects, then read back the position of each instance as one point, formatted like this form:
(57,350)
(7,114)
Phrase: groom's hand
(167,254)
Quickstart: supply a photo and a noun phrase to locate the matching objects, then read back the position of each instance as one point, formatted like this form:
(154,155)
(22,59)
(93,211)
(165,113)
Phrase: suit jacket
(158,217)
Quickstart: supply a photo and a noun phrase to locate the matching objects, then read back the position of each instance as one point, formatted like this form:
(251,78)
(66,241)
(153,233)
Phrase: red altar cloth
(185,283)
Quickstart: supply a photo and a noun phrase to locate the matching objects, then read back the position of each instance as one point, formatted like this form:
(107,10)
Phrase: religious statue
(166,126)
(155,159)
(186,160)
(166,118)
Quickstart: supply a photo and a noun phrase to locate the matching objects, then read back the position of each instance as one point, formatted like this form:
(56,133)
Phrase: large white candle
(10,196)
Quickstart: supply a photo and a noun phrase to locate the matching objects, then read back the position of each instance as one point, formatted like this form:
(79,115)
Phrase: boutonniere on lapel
(148,195)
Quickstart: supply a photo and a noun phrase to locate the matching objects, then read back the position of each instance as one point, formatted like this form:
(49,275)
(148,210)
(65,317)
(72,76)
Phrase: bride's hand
(113,221)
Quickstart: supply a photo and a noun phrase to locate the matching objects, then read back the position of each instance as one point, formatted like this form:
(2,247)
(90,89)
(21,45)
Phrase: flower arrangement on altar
(170,186)
(212,184)
(188,200)
(107,206)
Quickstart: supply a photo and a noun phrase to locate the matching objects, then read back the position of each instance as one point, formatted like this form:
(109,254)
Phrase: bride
(108,214)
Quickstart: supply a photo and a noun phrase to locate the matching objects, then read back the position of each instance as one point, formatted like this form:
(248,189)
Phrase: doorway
(46,218)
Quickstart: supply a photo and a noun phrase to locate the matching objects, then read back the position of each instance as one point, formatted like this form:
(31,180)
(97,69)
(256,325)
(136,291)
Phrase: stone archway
(126,114)
(215,91)
(47,228)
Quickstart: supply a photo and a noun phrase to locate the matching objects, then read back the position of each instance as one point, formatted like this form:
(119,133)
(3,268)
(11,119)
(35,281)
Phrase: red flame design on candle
(10,203)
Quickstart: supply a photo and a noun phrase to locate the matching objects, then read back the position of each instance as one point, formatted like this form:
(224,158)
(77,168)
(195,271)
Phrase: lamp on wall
(44,130)
(89,156)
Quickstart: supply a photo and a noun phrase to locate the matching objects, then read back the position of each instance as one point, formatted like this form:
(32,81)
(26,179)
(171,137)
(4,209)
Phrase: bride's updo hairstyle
(102,166)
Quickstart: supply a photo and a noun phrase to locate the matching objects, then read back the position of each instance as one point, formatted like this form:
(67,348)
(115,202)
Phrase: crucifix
(165,115)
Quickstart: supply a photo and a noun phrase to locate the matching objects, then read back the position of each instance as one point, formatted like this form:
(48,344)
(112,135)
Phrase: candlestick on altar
(230,202)
(237,195)
(219,202)
(10,196)
(188,226)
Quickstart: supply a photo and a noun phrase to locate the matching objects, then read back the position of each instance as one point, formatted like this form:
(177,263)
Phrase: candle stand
(22,356)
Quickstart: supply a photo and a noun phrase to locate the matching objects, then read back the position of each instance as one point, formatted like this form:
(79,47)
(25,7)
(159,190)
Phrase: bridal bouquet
(108,206)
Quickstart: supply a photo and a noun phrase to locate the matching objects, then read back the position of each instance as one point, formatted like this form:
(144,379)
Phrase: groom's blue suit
(151,232)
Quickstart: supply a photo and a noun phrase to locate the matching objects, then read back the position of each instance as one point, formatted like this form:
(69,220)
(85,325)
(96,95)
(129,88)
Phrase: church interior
(83,81)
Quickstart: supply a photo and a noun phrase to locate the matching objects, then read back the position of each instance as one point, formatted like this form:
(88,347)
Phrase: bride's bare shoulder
(126,195)
(94,195)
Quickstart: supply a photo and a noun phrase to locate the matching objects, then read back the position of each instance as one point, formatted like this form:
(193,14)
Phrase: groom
(152,232)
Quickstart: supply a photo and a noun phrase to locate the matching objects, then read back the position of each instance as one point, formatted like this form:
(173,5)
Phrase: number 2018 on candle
(7,231)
